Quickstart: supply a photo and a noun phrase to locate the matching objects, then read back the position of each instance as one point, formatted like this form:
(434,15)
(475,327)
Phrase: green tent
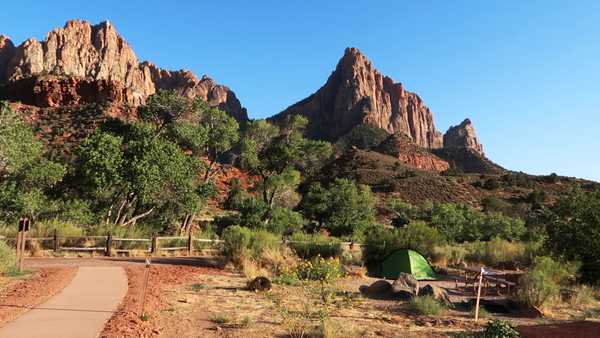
(409,261)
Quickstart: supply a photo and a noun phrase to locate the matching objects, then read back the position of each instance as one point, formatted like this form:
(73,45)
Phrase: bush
(241,243)
(426,305)
(285,221)
(575,233)
(449,254)
(8,259)
(502,253)
(381,241)
(491,184)
(308,246)
(320,269)
(544,280)
(500,329)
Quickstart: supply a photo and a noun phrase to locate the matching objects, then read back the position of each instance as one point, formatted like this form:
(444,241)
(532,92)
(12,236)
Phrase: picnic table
(490,277)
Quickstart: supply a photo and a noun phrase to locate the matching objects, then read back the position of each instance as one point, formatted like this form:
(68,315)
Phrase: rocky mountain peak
(99,53)
(356,93)
(463,136)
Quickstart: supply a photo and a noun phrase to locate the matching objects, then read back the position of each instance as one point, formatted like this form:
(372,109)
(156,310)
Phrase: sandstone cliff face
(98,52)
(463,136)
(51,92)
(356,93)
(403,148)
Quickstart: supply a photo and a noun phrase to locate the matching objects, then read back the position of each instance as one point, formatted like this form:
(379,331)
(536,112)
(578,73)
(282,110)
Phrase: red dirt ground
(127,322)
(20,295)
(579,329)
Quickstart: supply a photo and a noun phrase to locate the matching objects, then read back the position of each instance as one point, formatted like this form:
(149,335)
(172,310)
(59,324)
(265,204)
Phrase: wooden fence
(109,245)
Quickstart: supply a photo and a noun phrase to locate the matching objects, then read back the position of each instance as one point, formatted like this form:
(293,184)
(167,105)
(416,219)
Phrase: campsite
(299,169)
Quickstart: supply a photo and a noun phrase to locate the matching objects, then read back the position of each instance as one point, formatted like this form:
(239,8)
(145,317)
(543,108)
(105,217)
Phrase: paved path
(80,310)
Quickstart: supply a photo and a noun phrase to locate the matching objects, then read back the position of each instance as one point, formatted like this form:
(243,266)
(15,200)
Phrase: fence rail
(152,245)
(109,244)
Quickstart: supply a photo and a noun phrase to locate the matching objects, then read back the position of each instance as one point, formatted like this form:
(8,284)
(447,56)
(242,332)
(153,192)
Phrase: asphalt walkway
(80,310)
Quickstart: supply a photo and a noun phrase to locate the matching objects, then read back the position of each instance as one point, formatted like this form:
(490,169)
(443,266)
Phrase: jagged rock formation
(403,148)
(98,52)
(463,136)
(356,93)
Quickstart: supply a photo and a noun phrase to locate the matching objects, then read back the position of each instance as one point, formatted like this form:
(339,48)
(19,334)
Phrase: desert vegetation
(283,217)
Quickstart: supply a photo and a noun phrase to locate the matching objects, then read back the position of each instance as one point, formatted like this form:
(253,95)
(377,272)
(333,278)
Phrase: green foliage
(502,253)
(500,329)
(276,154)
(364,136)
(426,305)
(308,246)
(544,279)
(380,241)
(285,221)
(491,184)
(8,258)
(343,209)
(26,176)
(575,233)
(101,162)
(240,243)
(18,146)
(462,223)
(403,212)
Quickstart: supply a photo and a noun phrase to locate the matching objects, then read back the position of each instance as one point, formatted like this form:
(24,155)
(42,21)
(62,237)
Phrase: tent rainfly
(408,261)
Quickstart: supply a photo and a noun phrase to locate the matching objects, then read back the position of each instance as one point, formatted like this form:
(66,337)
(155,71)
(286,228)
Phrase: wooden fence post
(154,244)
(56,241)
(109,241)
(190,244)
(18,244)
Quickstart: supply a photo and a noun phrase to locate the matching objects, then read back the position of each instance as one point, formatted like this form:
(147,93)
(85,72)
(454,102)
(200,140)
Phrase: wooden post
(18,245)
(190,244)
(145,286)
(56,241)
(109,241)
(22,257)
(154,244)
(478,295)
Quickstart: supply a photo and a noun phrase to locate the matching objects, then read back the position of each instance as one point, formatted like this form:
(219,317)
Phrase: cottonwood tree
(276,154)
(344,208)
(25,174)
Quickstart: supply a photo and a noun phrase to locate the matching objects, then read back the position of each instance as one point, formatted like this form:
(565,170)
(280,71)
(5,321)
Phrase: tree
(26,175)
(575,231)
(277,154)
(344,208)
(132,175)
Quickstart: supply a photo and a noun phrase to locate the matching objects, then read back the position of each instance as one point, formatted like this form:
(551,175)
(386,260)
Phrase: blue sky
(527,73)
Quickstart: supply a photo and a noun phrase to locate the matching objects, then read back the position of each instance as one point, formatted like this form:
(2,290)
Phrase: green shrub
(544,280)
(240,243)
(499,252)
(427,305)
(381,241)
(308,246)
(285,221)
(449,254)
(500,329)
(8,259)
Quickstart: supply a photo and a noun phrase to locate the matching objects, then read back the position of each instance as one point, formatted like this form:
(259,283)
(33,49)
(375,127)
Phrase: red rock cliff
(98,52)
(357,93)
(463,136)
(403,148)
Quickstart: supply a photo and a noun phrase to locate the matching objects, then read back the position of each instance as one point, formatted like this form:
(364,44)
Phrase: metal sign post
(145,286)
(478,295)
